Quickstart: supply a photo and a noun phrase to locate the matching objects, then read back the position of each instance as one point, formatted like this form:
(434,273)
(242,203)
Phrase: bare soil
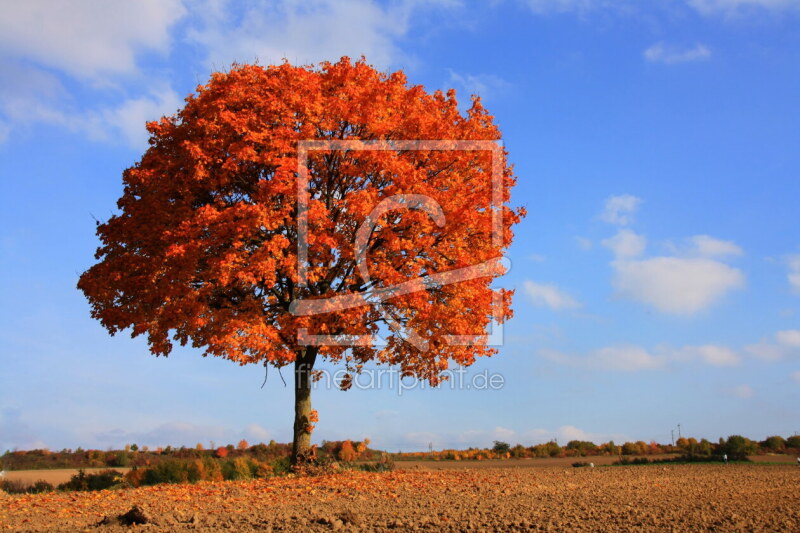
(648,498)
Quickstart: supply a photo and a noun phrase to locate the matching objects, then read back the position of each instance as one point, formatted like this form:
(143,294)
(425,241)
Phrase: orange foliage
(204,250)
(346,452)
(221,452)
(243,445)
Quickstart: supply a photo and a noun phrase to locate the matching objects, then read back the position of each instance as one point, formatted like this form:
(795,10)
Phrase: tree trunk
(303,365)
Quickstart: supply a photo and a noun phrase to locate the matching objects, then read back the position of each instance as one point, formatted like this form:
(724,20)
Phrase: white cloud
(794,271)
(181,434)
(620,209)
(733,8)
(795,376)
(767,351)
(30,95)
(92,41)
(33,96)
(634,358)
(549,296)
(582,7)
(479,84)
(710,354)
(726,8)
(304,32)
(90,38)
(626,358)
(789,337)
(255,433)
(787,344)
(626,244)
(127,121)
(706,246)
(682,286)
(564,434)
(671,55)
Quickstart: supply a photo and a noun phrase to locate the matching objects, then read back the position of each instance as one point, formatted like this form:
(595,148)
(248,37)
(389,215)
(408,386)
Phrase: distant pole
(679,431)
(672,436)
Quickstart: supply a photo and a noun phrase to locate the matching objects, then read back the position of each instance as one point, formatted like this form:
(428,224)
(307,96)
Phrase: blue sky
(657,273)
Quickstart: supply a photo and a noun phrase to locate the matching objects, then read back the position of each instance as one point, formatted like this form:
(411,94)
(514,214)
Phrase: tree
(214,246)
(581,447)
(501,448)
(738,447)
(775,443)
(346,452)
(243,445)
(221,452)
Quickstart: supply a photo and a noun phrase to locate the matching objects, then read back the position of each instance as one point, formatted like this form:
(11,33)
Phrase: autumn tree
(346,452)
(231,238)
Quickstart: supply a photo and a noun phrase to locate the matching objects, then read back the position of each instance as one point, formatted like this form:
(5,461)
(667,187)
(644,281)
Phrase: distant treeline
(735,446)
(133,456)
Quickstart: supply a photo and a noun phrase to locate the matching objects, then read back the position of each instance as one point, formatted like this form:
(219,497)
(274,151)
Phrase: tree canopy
(205,247)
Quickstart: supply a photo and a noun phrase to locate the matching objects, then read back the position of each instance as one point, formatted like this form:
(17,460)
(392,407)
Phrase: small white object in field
(591,465)
(3,472)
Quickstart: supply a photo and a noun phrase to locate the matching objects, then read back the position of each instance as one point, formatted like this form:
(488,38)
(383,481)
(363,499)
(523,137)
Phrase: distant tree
(738,447)
(630,448)
(199,447)
(518,451)
(774,444)
(704,447)
(346,452)
(581,447)
(793,442)
(243,445)
(500,447)
(221,452)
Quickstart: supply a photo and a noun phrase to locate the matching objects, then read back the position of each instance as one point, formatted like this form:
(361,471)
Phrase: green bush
(82,481)
(282,466)
(16,486)
(738,447)
(774,444)
(167,472)
(122,459)
(384,465)
(501,448)
(234,469)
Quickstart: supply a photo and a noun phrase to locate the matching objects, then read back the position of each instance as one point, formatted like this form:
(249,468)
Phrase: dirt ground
(633,498)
